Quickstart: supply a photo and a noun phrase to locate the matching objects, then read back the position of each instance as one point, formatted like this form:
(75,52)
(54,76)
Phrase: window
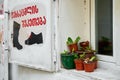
(103,26)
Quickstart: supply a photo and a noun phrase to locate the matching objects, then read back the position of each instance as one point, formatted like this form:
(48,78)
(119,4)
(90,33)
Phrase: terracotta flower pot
(84,44)
(79,64)
(89,67)
(73,46)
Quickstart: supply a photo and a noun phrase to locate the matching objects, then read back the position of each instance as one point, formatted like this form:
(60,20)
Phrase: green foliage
(70,41)
(76,56)
(82,56)
(65,52)
(77,39)
(92,58)
(89,49)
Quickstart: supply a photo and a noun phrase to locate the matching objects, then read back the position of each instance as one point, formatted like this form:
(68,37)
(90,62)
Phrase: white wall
(73,20)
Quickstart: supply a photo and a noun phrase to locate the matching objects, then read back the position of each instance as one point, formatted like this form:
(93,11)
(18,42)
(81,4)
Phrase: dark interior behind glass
(104,26)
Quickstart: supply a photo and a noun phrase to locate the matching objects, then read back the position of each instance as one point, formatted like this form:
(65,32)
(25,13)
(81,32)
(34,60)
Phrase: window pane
(104,34)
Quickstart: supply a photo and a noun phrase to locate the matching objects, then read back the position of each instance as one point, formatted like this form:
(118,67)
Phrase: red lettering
(34,22)
(28,10)
(30,22)
(40,20)
(37,21)
(25,11)
(44,22)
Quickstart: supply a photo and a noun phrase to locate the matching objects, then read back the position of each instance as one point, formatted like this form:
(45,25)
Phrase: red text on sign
(34,22)
(25,11)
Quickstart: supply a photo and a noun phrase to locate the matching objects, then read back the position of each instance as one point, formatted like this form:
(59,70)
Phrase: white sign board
(30,36)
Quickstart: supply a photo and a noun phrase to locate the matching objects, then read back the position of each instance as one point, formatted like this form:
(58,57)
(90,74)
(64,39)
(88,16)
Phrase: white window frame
(92,23)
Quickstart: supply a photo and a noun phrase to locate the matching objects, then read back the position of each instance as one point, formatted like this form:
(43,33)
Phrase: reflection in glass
(104,37)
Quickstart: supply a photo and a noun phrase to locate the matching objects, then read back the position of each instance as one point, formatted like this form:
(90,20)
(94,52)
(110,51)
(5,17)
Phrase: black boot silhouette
(16,28)
(34,39)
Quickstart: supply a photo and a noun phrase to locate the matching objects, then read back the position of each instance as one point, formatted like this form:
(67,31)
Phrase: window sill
(98,74)
(101,73)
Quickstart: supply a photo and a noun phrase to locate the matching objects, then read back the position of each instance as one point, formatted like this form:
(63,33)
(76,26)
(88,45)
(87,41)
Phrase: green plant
(89,49)
(65,52)
(70,40)
(76,56)
(69,53)
(89,60)
(92,58)
(96,58)
(81,56)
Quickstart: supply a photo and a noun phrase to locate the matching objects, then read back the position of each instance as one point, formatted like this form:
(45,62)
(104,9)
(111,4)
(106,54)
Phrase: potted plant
(89,64)
(85,47)
(73,45)
(67,60)
(84,44)
(89,52)
(79,61)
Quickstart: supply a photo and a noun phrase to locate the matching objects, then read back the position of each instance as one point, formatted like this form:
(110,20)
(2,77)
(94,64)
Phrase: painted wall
(74,20)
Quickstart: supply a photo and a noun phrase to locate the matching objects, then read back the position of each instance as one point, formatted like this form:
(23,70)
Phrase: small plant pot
(89,67)
(67,61)
(73,46)
(84,44)
(79,64)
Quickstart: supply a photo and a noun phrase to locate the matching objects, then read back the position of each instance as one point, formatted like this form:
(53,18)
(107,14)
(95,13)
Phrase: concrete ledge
(98,74)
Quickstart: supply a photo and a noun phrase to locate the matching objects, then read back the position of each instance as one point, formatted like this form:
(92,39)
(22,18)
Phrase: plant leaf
(77,39)
(92,58)
(69,41)
(82,56)
(65,52)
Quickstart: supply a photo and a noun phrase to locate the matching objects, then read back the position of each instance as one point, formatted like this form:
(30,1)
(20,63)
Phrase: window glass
(103,25)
